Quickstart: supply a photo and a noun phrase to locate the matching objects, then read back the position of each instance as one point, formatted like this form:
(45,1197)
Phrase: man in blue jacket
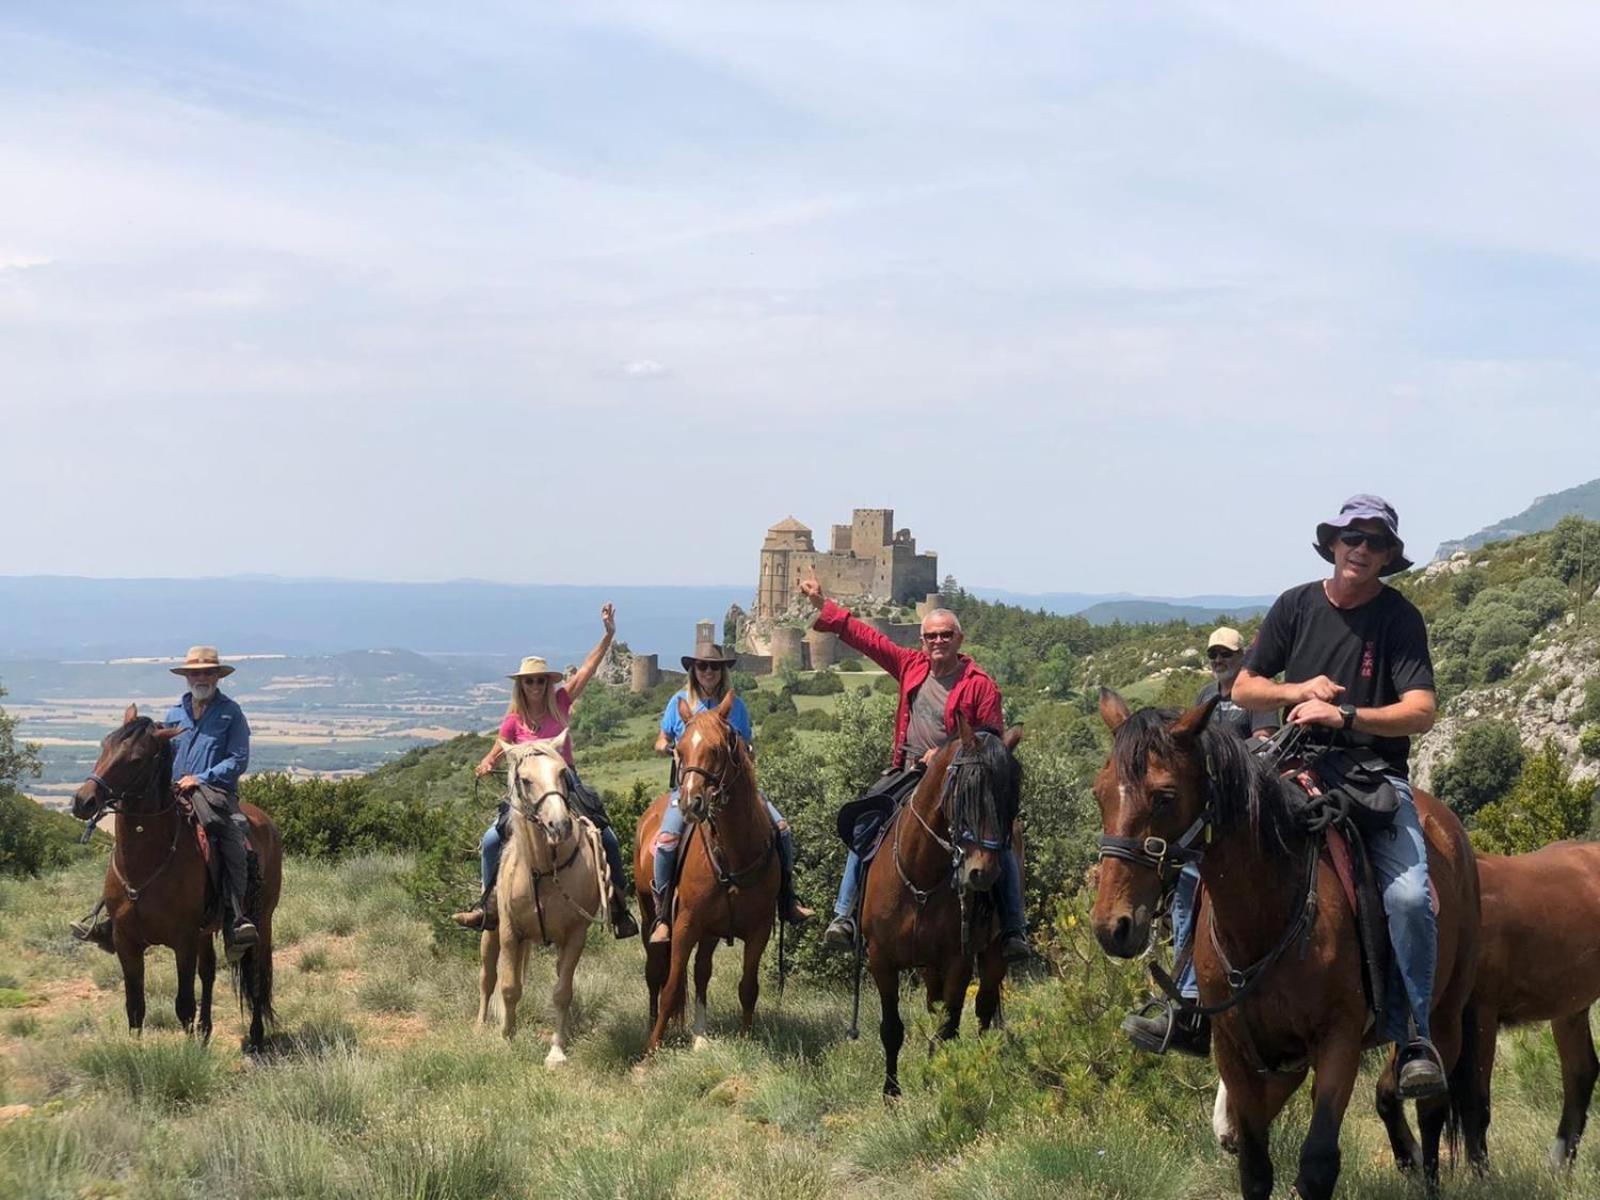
(209,756)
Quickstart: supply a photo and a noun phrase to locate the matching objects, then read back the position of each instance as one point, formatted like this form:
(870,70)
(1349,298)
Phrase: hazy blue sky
(1095,296)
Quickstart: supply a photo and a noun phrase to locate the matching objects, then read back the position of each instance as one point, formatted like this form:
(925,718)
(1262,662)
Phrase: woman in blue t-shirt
(708,683)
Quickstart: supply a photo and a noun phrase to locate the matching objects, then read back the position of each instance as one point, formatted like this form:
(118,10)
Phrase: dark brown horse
(1539,960)
(728,871)
(1273,926)
(155,889)
(940,853)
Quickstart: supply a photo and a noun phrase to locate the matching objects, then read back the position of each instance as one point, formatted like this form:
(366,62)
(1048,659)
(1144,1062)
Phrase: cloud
(644,368)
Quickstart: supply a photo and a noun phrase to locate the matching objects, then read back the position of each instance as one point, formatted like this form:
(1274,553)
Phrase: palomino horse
(941,852)
(552,886)
(728,871)
(1276,946)
(155,889)
(1539,961)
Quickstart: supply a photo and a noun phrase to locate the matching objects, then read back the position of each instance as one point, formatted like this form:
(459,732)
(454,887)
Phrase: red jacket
(974,693)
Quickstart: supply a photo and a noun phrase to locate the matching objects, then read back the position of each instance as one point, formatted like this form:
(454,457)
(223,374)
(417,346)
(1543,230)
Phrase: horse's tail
(252,974)
(1465,1102)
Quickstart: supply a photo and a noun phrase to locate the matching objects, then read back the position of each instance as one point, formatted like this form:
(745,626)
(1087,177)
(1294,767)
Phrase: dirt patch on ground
(397,1031)
(53,993)
(10,1112)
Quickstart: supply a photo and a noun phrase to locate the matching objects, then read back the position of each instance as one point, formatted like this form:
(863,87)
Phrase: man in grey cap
(1353,653)
(1163,1029)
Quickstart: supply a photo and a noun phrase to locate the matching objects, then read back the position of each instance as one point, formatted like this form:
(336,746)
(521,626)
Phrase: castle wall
(644,673)
(840,543)
(754,664)
(823,650)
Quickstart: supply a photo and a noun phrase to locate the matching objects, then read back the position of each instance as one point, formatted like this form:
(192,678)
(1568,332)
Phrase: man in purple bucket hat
(1353,653)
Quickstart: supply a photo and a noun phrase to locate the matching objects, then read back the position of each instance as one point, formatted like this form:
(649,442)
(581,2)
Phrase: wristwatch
(1348,712)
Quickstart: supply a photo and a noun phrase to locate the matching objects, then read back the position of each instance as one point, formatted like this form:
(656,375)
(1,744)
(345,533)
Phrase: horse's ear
(169,732)
(964,731)
(130,714)
(1114,709)
(685,713)
(726,706)
(1193,722)
(1011,737)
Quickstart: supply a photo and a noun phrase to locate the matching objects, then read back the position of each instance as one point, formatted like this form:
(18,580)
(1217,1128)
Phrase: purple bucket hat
(1365,508)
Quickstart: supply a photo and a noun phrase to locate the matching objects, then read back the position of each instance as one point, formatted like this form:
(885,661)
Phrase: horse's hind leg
(891,1029)
(703,957)
(513,956)
(991,975)
(1392,1112)
(488,971)
(1579,1068)
(1432,1114)
(750,982)
(561,994)
(184,957)
(207,960)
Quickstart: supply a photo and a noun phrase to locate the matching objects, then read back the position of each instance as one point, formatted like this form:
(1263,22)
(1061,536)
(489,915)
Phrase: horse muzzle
(978,872)
(86,801)
(1124,934)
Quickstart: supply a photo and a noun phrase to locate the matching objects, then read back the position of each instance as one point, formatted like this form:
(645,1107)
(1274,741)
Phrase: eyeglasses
(202,674)
(1377,541)
(534,681)
(1220,655)
(939,635)
(705,666)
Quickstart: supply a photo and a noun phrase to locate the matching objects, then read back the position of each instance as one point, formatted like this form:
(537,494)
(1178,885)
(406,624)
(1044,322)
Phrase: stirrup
(1151,1006)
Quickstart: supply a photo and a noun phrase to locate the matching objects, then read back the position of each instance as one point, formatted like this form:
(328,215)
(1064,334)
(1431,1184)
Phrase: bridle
(716,794)
(1168,858)
(115,801)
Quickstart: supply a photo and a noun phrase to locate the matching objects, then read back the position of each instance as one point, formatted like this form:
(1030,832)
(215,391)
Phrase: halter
(530,811)
(113,803)
(1166,858)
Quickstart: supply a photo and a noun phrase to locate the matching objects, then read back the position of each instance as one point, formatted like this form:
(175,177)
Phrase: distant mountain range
(1106,608)
(1542,514)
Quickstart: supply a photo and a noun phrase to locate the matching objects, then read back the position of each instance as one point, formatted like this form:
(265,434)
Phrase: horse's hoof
(639,1074)
(555,1058)
(701,1042)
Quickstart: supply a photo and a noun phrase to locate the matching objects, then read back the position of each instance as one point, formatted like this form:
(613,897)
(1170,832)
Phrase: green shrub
(848,665)
(1545,806)
(1486,764)
(1589,742)
(818,683)
(171,1074)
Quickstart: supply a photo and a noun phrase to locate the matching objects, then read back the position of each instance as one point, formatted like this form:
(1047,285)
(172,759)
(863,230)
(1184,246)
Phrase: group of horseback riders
(1352,651)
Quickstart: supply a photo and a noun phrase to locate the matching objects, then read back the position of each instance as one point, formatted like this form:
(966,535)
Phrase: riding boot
(95,928)
(230,839)
(789,908)
(661,930)
(483,915)
(622,923)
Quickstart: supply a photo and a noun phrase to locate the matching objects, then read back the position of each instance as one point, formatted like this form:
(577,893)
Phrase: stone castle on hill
(867,557)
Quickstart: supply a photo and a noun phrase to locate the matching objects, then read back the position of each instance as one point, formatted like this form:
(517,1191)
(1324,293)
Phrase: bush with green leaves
(16,760)
(1589,742)
(1574,549)
(818,683)
(1545,806)
(1486,765)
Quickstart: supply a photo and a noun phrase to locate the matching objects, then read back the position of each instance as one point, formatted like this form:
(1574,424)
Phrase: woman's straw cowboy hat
(203,658)
(533,665)
(708,652)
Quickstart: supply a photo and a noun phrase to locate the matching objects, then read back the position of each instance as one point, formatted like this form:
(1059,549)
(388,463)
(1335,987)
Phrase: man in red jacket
(936,683)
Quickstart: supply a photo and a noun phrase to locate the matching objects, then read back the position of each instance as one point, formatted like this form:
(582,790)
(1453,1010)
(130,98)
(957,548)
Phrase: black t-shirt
(1378,651)
(1242,721)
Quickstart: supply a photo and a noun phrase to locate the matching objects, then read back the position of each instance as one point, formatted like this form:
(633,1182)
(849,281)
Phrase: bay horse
(552,886)
(939,853)
(1539,960)
(156,885)
(1176,790)
(728,871)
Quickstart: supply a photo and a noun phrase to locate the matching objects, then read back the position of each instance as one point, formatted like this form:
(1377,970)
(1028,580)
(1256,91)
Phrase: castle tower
(782,557)
(788,647)
(643,673)
(870,530)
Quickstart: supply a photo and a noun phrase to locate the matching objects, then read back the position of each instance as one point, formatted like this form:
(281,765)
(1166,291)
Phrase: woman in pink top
(541,705)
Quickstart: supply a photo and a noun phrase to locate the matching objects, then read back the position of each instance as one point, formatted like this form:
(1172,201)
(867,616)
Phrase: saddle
(862,822)
(198,811)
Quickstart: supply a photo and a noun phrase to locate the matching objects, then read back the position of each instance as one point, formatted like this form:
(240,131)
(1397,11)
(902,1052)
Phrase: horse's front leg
(206,958)
(957,974)
(1392,1112)
(185,955)
(991,976)
(1254,1101)
(131,956)
(704,954)
(1337,1060)
(513,956)
(673,989)
(561,994)
(488,972)
(750,982)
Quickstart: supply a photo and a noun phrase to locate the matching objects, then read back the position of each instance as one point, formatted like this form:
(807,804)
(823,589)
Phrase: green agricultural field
(378,1085)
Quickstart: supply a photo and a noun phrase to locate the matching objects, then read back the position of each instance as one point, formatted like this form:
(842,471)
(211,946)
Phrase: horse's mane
(137,728)
(988,773)
(1246,791)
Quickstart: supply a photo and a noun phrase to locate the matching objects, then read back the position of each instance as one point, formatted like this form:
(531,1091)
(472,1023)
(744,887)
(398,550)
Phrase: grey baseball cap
(1365,507)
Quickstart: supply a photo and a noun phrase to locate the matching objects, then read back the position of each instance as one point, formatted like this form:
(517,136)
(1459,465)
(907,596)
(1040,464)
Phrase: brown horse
(728,871)
(940,852)
(156,887)
(1275,936)
(1539,961)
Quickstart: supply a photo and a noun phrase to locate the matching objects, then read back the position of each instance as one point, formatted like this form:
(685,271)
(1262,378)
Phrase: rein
(583,830)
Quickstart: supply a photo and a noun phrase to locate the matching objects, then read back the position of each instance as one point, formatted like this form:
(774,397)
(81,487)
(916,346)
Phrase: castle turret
(643,673)
(788,646)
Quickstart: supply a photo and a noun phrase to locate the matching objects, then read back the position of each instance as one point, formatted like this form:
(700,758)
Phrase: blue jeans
(670,834)
(1399,857)
(1183,927)
(1007,892)
(491,848)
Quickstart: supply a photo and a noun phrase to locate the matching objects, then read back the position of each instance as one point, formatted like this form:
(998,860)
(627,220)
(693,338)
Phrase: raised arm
(581,677)
(835,618)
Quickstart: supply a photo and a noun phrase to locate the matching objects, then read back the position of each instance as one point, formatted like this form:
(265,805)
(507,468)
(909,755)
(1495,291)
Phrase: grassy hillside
(378,1084)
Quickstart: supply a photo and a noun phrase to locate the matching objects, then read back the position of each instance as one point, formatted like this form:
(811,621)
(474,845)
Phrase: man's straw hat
(203,658)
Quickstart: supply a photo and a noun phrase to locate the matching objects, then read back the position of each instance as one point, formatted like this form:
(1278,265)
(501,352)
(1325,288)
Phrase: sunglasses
(939,635)
(1220,655)
(1377,541)
(705,666)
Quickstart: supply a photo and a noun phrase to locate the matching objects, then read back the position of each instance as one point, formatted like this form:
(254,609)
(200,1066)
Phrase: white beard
(202,692)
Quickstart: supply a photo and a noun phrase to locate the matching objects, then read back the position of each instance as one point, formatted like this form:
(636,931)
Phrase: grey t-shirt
(1242,721)
(926,730)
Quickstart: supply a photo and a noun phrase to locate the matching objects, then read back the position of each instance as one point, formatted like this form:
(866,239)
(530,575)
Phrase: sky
(1097,297)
